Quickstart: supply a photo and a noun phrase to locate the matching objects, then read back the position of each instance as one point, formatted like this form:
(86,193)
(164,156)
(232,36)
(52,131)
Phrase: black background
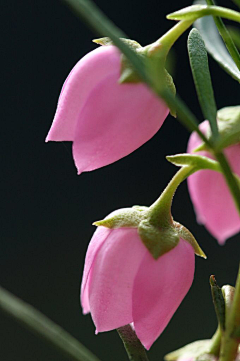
(47,210)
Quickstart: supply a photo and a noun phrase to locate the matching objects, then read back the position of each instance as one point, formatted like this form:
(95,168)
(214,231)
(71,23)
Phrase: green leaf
(215,46)
(236,333)
(36,322)
(102,26)
(201,75)
(231,47)
(235,35)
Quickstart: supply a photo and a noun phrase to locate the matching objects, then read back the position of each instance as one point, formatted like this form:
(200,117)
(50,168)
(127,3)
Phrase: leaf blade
(202,79)
(215,45)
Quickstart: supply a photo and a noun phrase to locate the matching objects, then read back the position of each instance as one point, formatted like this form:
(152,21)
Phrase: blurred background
(47,210)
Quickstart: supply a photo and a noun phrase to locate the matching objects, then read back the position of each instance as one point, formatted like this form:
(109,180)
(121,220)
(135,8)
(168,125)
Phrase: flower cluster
(124,282)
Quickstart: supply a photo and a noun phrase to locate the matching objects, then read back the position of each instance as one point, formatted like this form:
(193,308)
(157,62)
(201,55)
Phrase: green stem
(133,346)
(184,114)
(226,38)
(160,210)
(223,13)
(229,347)
(36,322)
(230,179)
(198,11)
(170,37)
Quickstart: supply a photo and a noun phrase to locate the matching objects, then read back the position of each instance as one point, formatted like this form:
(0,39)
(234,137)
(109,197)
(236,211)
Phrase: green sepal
(107,41)
(194,160)
(185,234)
(228,295)
(127,73)
(189,13)
(125,217)
(157,241)
(218,301)
(192,351)
(162,240)
(228,127)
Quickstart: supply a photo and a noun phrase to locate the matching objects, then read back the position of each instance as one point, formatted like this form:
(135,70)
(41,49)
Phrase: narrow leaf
(201,75)
(92,15)
(237,2)
(231,47)
(235,35)
(215,45)
(101,25)
(36,322)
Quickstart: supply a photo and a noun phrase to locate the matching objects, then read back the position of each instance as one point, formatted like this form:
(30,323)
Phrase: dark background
(47,210)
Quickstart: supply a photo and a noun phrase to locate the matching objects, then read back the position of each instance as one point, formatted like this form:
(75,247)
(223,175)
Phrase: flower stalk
(132,344)
(160,211)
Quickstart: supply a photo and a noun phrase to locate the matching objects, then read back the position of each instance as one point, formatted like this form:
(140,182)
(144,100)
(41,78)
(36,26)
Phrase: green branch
(198,11)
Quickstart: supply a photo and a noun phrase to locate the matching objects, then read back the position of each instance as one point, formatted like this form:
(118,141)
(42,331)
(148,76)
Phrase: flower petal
(99,237)
(159,288)
(112,278)
(91,69)
(115,120)
(210,195)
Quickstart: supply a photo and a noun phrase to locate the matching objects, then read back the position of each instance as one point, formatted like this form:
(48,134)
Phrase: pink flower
(105,120)
(122,283)
(210,195)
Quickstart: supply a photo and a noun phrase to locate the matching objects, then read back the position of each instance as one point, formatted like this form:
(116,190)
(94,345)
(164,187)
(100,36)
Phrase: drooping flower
(105,120)
(213,203)
(123,283)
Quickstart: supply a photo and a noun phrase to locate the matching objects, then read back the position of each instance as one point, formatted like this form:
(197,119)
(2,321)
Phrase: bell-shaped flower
(124,284)
(104,119)
(212,200)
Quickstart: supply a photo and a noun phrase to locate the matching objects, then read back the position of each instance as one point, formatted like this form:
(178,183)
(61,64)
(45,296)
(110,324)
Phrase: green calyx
(158,240)
(156,227)
(198,350)
(125,217)
(154,59)
(228,126)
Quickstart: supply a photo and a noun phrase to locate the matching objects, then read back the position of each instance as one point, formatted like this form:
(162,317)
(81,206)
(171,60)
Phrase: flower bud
(104,119)
(124,283)
(213,203)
